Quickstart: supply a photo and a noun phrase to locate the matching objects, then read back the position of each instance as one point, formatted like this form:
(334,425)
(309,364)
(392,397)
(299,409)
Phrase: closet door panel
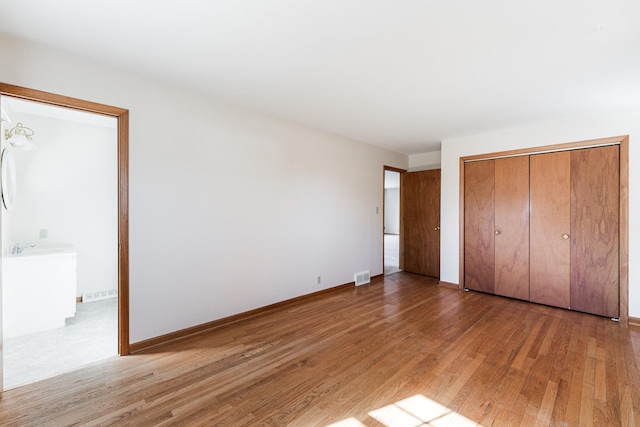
(479,181)
(550,222)
(595,224)
(512,227)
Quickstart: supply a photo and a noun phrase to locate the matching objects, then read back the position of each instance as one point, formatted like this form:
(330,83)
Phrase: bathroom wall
(68,187)
(230,209)
(392,210)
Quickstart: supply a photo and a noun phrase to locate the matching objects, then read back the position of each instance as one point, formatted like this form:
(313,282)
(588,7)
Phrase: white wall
(556,132)
(69,187)
(392,210)
(424,161)
(230,210)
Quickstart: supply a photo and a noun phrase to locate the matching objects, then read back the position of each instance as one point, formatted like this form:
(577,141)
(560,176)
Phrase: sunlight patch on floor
(347,422)
(415,411)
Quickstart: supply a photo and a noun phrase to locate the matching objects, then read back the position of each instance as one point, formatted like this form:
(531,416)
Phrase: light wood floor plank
(402,345)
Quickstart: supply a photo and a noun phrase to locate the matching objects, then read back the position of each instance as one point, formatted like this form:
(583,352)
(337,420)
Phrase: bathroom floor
(391,254)
(91,335)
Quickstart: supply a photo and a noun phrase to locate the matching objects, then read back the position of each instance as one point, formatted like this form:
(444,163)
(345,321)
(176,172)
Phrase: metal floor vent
(362,278)
(97,296)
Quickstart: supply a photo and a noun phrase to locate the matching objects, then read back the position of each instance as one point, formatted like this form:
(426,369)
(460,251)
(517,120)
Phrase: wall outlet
(44,233)
(319,280)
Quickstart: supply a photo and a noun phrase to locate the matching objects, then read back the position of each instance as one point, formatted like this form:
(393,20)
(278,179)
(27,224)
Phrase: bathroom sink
(44,250)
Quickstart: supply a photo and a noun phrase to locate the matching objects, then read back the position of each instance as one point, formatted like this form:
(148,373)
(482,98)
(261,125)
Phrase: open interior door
(420,222)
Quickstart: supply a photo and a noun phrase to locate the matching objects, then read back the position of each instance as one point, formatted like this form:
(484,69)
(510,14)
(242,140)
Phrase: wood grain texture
(479,226)
(402,343)
(122,115)
(550,260)
(623,191)
(420,207)
(548,148)
(623,235)
(123,232)
(512,224)
(594,224)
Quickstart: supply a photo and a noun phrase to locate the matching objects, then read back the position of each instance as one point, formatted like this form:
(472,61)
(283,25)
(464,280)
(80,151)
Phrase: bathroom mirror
(8,179)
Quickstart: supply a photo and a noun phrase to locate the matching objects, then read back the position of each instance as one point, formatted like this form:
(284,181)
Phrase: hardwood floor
(401,351)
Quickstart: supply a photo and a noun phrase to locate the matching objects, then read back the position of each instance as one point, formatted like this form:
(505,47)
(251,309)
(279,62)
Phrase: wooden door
(512,227)
(420,207)
(479,227)
(550,261)
(595,181)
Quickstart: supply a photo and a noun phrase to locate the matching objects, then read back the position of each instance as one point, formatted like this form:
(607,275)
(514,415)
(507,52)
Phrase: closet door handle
(497,232)
(437,229)
(565,236)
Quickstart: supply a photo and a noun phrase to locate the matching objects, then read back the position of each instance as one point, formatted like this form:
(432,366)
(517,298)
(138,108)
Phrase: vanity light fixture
(20,130)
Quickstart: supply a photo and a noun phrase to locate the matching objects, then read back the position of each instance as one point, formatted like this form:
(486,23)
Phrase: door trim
(623,231)
(122,115)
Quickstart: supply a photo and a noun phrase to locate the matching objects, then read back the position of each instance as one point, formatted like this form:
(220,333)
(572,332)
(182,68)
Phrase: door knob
(565,236)
(437,228)
(497,232)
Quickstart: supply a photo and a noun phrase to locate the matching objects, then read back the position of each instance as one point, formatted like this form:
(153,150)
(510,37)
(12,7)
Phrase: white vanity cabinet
(38,290)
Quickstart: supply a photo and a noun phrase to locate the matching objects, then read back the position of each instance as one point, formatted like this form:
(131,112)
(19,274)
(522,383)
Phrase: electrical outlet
(44,233)
(319,280)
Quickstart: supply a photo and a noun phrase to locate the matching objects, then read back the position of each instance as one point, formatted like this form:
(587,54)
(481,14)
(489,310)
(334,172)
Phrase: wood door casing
(595,222)
(122,116)
(420,201)
(550,260)
(479,226)
(512,227)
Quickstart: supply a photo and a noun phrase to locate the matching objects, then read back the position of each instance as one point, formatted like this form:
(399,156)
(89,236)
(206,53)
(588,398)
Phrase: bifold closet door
(595,212)
(550,261)
(512,227)
(479,250)
(496,236)
(545,228)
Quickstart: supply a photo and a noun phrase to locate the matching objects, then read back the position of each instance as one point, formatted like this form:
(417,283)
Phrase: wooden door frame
(623,230)
(400,254)
(122,115)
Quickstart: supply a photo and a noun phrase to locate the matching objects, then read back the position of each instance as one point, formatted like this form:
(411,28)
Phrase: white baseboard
(97,296)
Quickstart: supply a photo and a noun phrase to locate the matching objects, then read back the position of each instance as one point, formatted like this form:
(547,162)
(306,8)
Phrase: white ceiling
(401,74)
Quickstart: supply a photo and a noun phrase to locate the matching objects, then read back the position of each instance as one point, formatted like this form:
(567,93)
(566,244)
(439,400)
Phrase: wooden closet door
(550,221)
(595,182)
(420,202)
(479,251)
(512,227)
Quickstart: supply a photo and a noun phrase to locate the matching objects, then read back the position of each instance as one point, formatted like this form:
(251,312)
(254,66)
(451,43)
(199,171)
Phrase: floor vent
(97,296)
(362,278)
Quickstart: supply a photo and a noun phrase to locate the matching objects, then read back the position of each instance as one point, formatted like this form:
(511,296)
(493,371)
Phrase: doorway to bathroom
(62,235)
(391,220)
